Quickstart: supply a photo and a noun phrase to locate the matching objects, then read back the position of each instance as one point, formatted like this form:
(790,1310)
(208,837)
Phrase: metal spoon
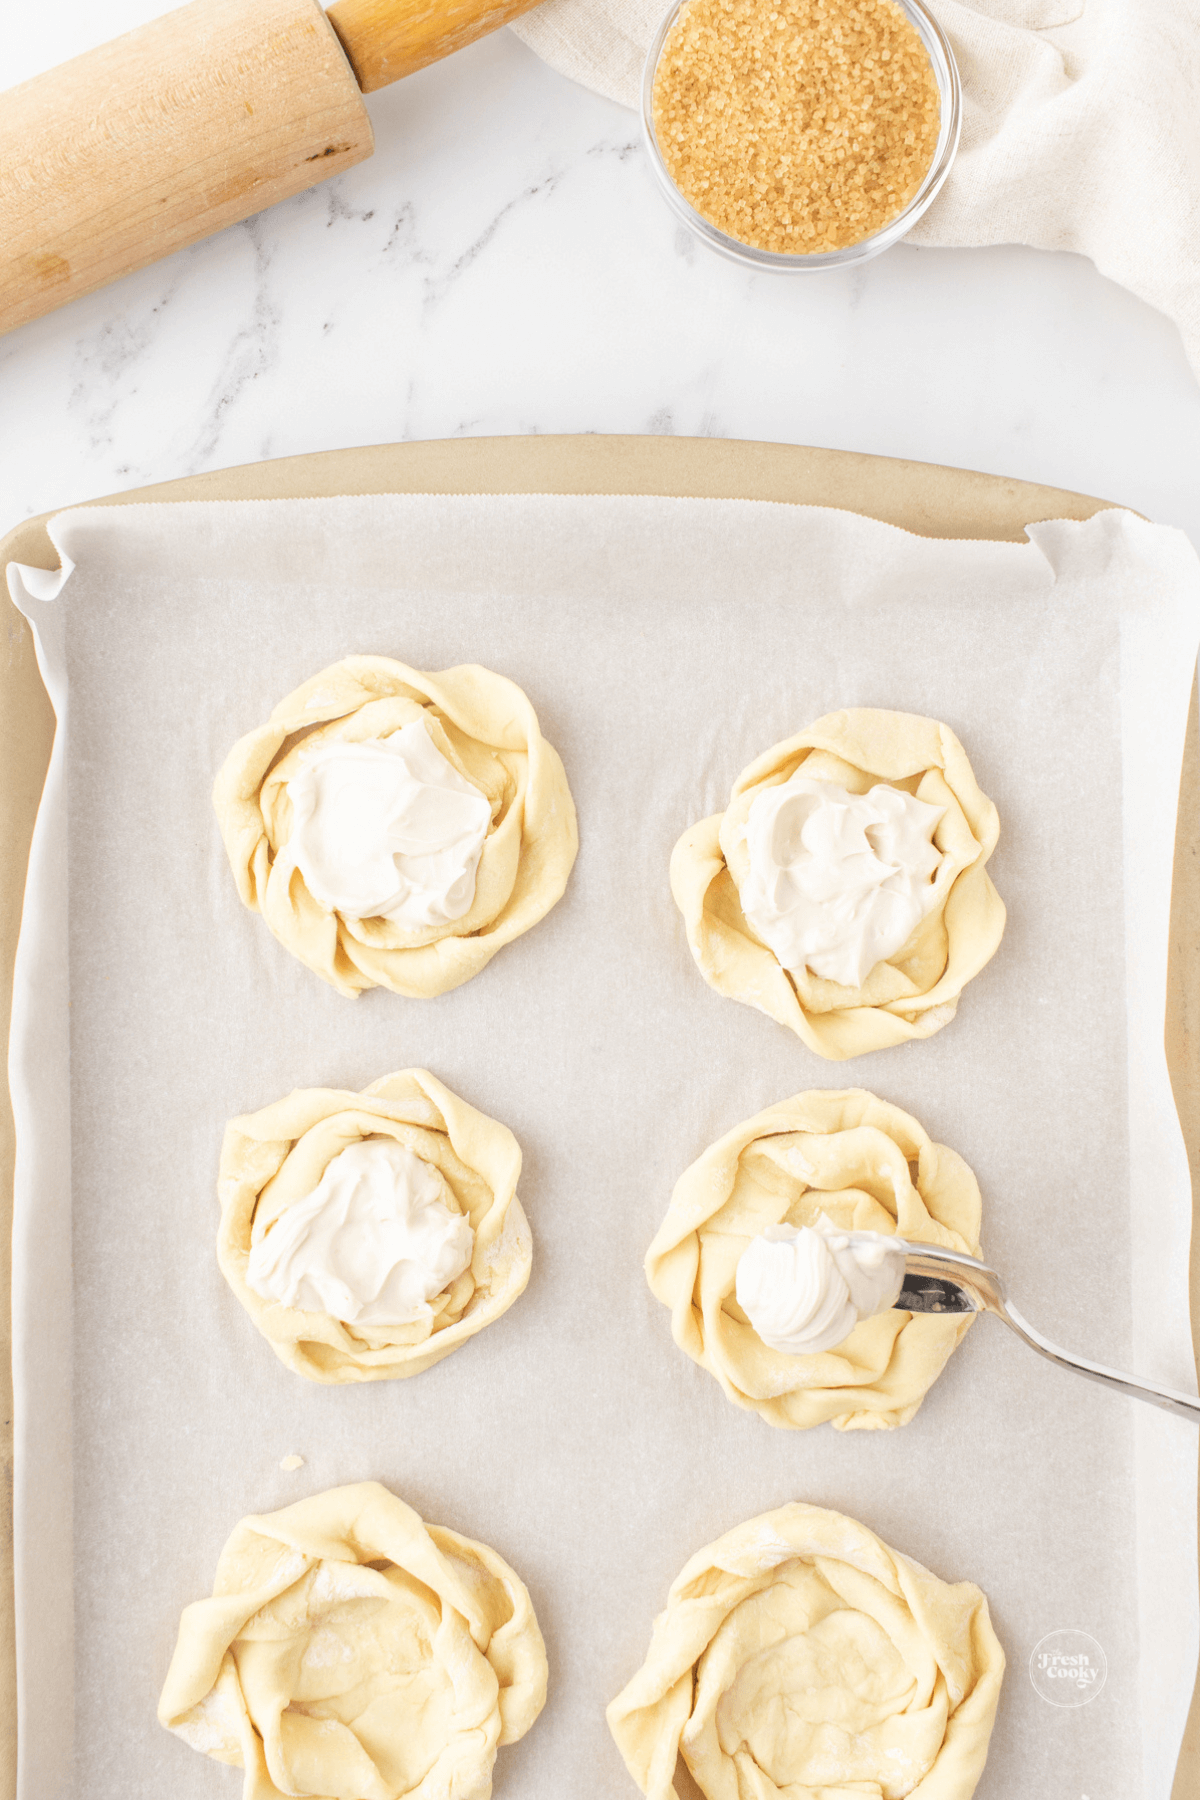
(942,1281)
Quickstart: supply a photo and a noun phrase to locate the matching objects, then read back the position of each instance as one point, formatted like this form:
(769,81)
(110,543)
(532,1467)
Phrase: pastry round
(798,1655)
(914,991)
(485,728)
(351,1650)
(868,1167)
(274,1158)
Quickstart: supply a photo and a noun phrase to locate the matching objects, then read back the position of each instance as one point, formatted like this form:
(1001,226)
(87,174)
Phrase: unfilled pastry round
(912,993)
(799,1655)
(278,1155)
(350,1650)
(868,1167)
(487,730)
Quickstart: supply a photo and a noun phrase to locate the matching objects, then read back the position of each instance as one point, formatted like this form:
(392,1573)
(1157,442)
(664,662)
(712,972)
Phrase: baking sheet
(663,643)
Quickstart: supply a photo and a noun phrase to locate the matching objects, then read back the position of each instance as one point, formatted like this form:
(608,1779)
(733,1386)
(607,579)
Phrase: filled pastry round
(863,1165)
(396,828)
(350,1650)
(369,1235)
(854,906)
(799,1655)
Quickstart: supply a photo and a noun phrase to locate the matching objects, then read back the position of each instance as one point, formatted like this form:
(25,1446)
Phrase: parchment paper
(663,643)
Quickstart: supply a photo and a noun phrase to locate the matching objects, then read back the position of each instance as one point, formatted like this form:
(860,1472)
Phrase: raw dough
(481,723)
(852,1157)
(798,1655)
(915,992)
(350,1650)
(278,1155)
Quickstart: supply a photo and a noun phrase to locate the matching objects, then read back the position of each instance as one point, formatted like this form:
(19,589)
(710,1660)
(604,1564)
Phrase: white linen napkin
(1080,127)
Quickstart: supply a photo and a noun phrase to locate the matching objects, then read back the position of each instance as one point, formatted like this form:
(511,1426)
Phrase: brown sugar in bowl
(800,134)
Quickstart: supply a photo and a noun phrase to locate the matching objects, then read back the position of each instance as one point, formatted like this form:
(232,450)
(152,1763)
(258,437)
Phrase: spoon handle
(1188,1406)
(945,1281)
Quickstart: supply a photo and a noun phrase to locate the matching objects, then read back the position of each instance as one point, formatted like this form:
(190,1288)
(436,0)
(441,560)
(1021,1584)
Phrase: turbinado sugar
(798,126)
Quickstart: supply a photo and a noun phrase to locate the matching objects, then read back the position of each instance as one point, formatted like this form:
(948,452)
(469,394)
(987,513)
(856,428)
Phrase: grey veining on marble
(504,264)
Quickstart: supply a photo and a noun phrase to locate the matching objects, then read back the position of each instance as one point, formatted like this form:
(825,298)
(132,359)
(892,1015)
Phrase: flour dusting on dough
(211,1725)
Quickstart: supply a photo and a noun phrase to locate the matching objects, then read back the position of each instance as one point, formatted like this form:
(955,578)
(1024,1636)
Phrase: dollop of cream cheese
(387,829)
(838,881)
(805,1288)
(372,1244)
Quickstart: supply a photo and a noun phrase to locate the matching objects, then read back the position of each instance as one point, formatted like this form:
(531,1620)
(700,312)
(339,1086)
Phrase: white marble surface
(504,264)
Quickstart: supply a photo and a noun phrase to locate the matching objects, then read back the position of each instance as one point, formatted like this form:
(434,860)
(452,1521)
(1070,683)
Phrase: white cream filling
(838,881)
(387,829)
(805,1288)
(372,1244)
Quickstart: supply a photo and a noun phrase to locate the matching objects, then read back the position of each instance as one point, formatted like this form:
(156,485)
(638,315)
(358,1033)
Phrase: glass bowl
(950,93)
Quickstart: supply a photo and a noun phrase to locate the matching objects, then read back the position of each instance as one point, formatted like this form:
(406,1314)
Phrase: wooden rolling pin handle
(164,136)
(193,123)
(385,39)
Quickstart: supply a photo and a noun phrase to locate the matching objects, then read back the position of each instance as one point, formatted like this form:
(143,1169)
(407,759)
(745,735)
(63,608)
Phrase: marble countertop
(504,264)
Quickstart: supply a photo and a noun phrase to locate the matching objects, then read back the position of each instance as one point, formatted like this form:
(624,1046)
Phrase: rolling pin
(194,122)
